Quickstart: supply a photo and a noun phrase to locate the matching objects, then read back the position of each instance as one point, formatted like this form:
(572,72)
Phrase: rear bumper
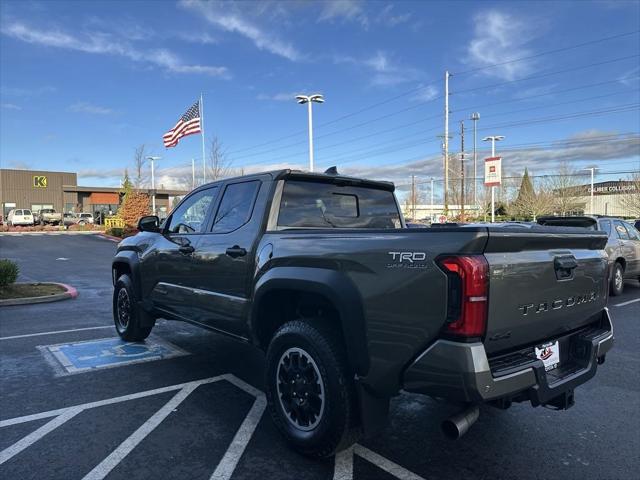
(463,372)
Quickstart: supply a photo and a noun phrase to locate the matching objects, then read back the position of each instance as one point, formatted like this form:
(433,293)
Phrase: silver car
(623,245)
(623,248)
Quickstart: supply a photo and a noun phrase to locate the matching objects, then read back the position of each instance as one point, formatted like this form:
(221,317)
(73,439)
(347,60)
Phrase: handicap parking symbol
(89,355)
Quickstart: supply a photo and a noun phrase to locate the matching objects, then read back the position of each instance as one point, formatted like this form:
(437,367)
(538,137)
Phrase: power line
(413,90)
(548,52)
(546,74)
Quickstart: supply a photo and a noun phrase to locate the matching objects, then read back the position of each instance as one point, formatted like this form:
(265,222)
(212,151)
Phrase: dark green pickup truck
(351,307)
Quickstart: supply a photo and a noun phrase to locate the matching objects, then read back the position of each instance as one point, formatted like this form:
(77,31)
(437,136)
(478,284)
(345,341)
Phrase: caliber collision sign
(492,171)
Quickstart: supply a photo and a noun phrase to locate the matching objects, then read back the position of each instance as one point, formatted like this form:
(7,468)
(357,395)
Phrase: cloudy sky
(84,83)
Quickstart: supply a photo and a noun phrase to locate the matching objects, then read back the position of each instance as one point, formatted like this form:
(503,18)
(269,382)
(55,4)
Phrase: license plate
(549,353)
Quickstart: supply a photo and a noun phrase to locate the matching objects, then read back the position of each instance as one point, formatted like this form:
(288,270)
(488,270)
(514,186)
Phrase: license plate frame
(549,353)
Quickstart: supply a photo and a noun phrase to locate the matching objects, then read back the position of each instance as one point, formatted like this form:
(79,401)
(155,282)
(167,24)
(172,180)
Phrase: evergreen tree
(526,188)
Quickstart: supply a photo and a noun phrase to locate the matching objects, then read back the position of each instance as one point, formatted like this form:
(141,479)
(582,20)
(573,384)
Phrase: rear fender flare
(336,288)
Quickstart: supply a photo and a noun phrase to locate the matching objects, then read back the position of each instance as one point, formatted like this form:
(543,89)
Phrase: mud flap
(374,411)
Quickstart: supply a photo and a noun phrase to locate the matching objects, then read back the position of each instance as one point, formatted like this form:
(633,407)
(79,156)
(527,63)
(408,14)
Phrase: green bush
(8,272)
(116,231)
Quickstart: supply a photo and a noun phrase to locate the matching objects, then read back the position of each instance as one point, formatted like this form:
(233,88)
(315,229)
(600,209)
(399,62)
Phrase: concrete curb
(54,232)
(70,292)
(110,237)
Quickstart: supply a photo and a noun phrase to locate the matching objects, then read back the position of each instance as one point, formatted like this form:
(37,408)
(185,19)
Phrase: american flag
(188,124)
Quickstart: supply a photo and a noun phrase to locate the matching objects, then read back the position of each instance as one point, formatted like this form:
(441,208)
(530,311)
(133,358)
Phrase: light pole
(591,199)
(475,116)
(153,184)
(309,99)
(493,139)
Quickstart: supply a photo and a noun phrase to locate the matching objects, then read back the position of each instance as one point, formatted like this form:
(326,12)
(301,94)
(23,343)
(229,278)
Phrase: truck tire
(132,323)
(617,279)
(316,412)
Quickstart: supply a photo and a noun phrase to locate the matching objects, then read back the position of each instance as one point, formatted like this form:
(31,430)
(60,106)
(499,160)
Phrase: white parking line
(343,465)
(103,468)
(36,435)
(627,303)
(54,332)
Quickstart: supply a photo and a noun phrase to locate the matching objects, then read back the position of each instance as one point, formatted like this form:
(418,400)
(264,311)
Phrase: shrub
(8,272)
(116,231)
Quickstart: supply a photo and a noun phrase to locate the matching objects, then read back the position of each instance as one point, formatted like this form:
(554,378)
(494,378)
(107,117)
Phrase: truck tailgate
(543,282)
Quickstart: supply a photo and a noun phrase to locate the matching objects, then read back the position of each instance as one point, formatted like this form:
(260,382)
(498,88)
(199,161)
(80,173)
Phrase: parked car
(69,219)
(636,224)
(623,245)
(351,307)
(49,216)
(84,218)
(20,216)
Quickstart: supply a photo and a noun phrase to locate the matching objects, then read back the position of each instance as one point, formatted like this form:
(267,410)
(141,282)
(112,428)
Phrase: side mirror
(149,223)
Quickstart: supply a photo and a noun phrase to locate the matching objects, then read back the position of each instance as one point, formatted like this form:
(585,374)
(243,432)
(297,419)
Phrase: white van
(20,216)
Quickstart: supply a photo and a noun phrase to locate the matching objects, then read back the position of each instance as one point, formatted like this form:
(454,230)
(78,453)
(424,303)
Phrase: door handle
(186,249)
(236,251)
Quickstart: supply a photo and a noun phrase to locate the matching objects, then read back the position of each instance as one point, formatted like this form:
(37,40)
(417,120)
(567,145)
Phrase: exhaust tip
(459,424)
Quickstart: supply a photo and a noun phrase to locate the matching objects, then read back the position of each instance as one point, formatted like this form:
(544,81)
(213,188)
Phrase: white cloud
(278,97)
(426,94)
(11,106)
(386,71)
(389,18)
(499,37)
(229,18)
(86,107)
(202,38)
(26,92)
(349,10)
(98,43)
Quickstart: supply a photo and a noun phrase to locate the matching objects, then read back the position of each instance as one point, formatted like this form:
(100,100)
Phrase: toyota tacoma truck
(351,307)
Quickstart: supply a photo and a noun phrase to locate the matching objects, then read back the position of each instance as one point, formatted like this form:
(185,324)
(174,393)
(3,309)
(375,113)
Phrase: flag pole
(204,162)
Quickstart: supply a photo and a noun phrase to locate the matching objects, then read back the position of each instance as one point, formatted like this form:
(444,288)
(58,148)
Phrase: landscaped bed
(27,290)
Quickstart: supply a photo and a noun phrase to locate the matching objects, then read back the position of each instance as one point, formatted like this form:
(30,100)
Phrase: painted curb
(70,292)
(53,232)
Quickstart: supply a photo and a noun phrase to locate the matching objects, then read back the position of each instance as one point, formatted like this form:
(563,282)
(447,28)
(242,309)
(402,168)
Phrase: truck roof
(317,176)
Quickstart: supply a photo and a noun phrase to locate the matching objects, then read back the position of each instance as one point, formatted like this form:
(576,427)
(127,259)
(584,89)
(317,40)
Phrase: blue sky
(84,83)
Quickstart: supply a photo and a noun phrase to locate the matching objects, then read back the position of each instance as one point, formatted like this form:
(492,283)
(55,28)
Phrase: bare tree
(139,160)
(630,197)
(219,166)
(566,190)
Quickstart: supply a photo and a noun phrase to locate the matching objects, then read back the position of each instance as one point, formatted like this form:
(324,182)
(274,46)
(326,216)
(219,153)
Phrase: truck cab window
(236,206)
(190,216)
(327,205)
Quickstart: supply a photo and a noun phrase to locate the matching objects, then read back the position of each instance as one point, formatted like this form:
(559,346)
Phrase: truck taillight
(468,294)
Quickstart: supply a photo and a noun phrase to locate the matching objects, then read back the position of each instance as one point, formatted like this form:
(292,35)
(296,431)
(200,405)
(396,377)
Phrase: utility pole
(431,210)
(462,170)
(475,116)
(413,197)
(446,141)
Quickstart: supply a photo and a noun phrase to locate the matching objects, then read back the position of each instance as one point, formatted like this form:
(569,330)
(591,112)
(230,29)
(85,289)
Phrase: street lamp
(493,139)
(475,116)
(309,99)
(591,199)
(153,184)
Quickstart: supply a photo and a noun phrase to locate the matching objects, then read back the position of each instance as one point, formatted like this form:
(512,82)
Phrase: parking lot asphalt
(200,413)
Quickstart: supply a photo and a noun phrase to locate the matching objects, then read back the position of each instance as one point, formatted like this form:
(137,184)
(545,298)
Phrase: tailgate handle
(564,266)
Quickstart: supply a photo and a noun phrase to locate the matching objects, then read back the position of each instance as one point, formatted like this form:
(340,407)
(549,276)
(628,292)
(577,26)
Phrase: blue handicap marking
(108,352)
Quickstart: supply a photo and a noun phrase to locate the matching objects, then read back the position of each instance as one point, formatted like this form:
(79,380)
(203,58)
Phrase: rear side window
(27,212)
(325,205)
(622,232)
(633,233)
(236,206)
(605,225)
(18,212)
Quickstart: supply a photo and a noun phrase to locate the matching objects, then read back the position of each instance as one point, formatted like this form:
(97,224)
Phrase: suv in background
(623,245)
(84,218)
(20,216)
